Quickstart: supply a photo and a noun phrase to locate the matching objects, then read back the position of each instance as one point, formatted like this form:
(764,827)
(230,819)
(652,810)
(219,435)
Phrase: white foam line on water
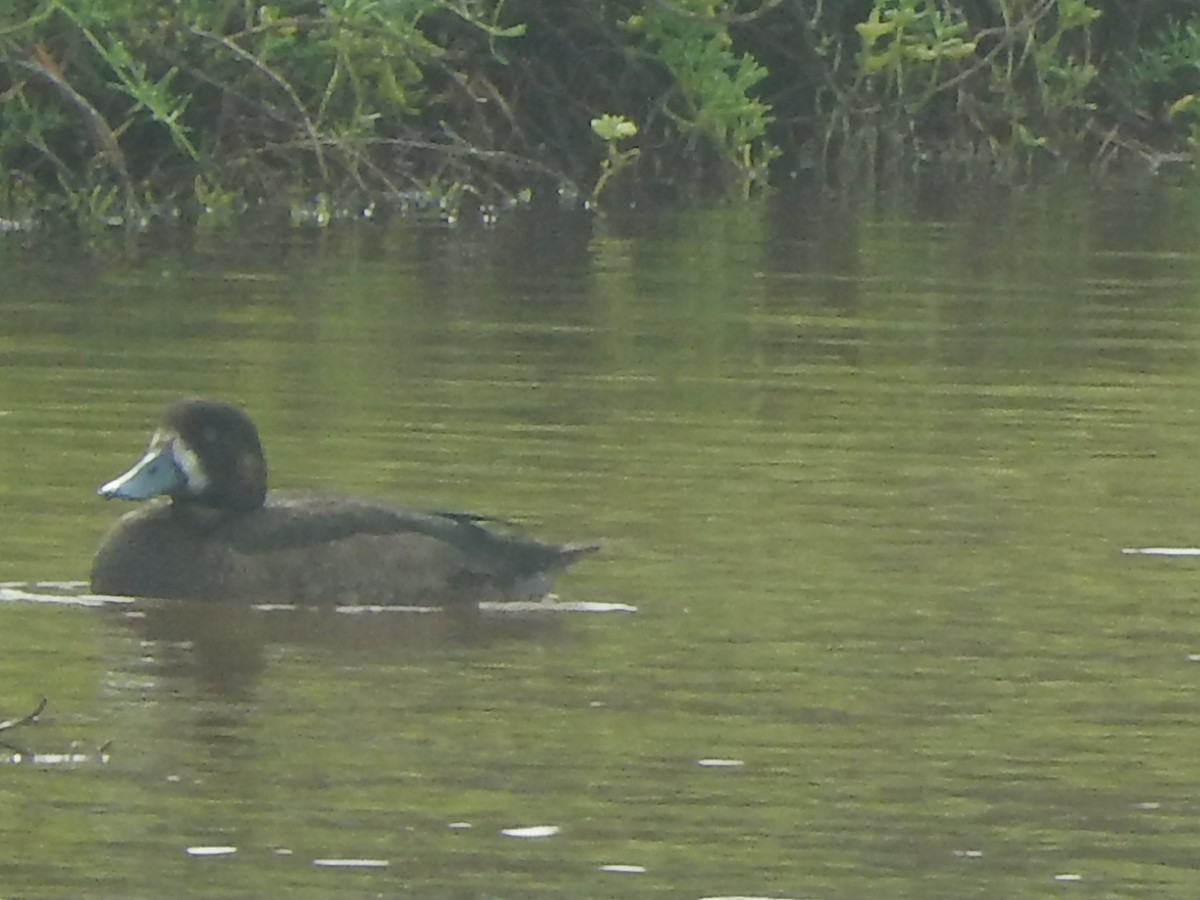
(211,851)
(352,863)
(531,831)
(12,594)
(500,606)
(371,608)
(1161,551)
(75,593)
(584,606)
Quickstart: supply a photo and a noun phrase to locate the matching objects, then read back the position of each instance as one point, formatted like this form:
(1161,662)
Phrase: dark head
(205,453)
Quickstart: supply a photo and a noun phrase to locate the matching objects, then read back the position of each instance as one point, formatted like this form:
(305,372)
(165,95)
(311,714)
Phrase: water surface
(865,471)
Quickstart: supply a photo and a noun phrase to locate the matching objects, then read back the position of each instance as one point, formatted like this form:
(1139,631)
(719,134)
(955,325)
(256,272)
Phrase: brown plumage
(220,535)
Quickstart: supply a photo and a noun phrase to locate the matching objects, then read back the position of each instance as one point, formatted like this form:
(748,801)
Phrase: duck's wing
(288,522)
(294,522)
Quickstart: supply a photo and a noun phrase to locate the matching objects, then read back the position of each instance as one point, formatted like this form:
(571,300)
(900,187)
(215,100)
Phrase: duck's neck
(201,517)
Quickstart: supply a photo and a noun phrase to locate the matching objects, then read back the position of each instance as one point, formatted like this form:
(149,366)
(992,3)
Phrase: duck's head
(204,453)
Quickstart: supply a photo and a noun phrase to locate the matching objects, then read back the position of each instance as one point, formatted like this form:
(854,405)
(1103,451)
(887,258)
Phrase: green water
(865,472)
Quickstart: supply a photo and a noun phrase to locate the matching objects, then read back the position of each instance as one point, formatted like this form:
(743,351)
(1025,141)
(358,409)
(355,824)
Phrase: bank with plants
(132,112)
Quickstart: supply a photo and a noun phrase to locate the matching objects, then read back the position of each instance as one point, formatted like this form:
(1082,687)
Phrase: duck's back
(307,549)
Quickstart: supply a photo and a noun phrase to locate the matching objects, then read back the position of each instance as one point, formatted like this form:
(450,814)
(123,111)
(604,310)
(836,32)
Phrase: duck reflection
(226,647)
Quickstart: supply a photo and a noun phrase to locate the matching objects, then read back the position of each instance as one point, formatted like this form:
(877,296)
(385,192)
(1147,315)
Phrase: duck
(211,530)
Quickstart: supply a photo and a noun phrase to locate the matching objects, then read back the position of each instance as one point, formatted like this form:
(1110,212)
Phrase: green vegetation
(133,111)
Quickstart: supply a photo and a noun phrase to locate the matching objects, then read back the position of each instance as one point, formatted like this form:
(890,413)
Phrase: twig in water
(24,720)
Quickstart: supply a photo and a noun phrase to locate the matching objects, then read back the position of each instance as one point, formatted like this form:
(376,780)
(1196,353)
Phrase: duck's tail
(541,565)
(569,553)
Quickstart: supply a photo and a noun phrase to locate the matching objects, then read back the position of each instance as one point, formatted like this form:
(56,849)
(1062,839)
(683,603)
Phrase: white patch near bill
(189,464)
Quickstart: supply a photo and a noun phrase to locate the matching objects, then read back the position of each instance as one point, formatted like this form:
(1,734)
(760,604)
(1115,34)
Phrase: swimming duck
(221,535)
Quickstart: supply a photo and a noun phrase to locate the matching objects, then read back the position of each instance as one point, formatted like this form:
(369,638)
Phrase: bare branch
(24,720)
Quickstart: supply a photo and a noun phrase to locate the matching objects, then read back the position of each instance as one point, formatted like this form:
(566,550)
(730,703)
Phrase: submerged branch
(24,720)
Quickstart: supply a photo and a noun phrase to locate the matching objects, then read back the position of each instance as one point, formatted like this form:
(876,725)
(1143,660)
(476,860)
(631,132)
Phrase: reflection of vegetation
(124,110)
